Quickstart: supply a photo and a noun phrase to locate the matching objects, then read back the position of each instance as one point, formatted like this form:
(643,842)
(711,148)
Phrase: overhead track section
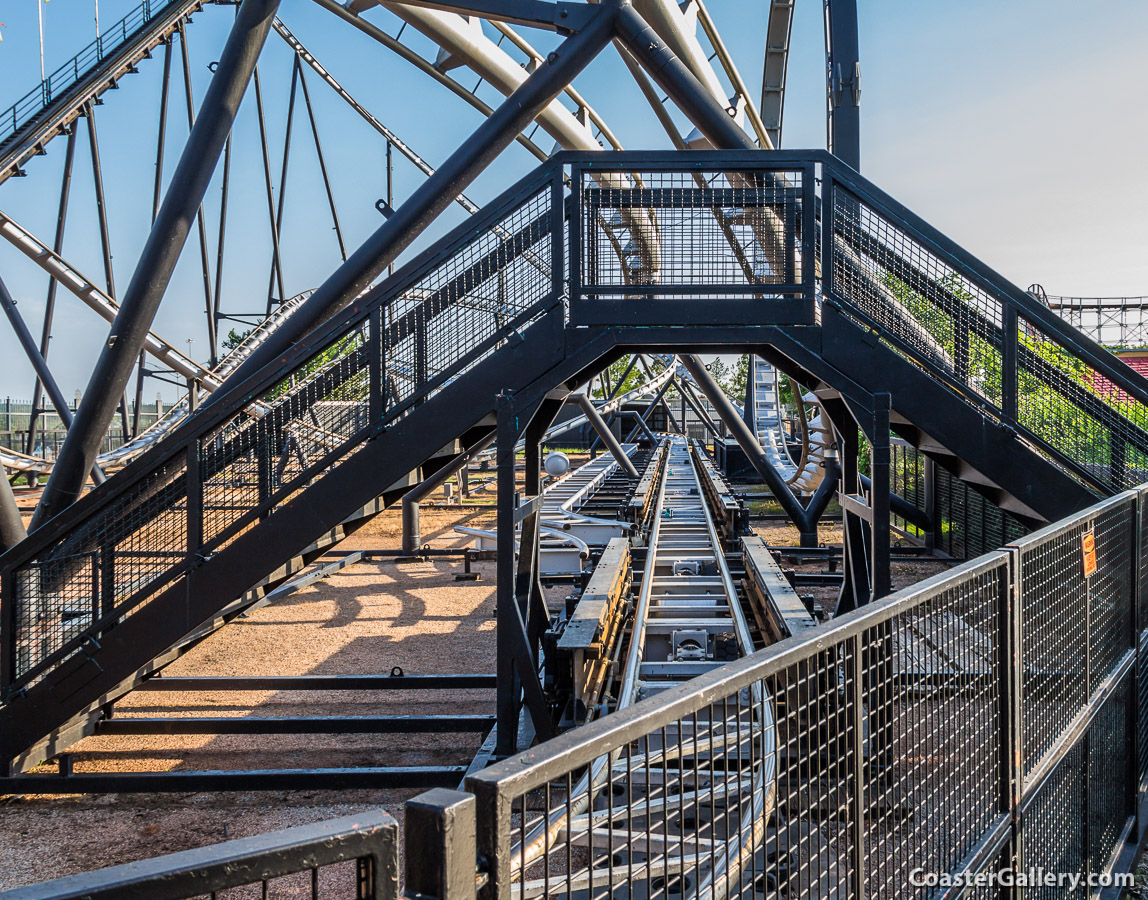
(778,31)
(462,42)
(40,115)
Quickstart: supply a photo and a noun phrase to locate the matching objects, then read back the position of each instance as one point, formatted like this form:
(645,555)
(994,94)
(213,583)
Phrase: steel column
(160,255)
(50,305)
(843,81)
(607,436)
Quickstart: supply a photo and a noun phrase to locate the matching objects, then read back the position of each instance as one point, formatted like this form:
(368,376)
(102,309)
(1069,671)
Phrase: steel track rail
(686,599)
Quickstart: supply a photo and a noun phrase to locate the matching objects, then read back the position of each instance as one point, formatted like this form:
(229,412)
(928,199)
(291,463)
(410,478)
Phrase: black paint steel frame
(554,359)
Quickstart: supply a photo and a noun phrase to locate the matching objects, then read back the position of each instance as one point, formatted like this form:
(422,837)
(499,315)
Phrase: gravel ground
(366,618)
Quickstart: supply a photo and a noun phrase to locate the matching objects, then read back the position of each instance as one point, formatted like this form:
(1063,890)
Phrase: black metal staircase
(788,254)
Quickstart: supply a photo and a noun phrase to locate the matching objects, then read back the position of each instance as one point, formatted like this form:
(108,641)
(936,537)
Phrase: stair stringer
(48,706)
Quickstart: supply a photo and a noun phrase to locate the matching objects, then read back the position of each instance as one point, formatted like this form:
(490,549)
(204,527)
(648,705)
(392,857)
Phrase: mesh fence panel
(431,330)
(111,564)
(1078,412)
(721,231)
(1053,832)
(915,296)
(932,688)
(1054,607)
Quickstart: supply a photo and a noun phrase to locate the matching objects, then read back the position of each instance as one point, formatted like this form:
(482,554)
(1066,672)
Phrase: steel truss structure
(378,382)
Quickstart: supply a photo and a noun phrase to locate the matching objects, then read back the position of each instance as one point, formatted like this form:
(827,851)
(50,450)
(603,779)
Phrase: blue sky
(1015,127)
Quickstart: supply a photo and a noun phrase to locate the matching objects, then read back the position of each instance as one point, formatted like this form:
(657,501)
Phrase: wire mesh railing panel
(1053,830)
(811,848)
(309,414)
(453,317)
(931,683)
(1054,619)
(101,572)
(1075,410)
(678,809)
(1109,798)
(406,341)
(1110,590)
(691,232)
(911,293)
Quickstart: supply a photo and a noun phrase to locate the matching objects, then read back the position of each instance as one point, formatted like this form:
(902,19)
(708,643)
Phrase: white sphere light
(556,464)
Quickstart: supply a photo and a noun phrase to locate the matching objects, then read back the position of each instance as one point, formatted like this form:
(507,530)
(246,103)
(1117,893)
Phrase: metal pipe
(436,193)
(200,223)
(688,396)
(160,255)
(322,164)
(11,525)
(24,336)
(50,305)
(411,535)
(276,259)
(607,435)
(746,440)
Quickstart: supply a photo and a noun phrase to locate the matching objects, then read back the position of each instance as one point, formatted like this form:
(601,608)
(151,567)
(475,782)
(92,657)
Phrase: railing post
(857,749)
(194,484)
(828,188)
(376,403)
(809,239)
(440,845)
(557,233)
(574,263)
(1135,624)
(1010,719)
(1010,338)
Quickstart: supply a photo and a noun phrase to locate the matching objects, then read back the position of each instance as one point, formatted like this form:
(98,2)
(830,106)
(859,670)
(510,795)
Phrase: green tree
(234,339)
(740,377)
(635,378)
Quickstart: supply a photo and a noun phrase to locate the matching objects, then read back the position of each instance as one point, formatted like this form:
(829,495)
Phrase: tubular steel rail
(982,719)
(234,465)
(353,857)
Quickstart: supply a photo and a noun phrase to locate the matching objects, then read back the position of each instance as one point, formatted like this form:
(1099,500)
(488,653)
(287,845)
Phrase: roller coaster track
(650,801)
(44,112)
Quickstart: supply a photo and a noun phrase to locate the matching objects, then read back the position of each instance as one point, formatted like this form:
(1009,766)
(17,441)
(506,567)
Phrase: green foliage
(636,378)
(235,338)
(739,378)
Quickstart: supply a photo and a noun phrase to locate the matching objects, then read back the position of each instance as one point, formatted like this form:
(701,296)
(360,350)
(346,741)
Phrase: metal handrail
(109,40)
(370,838)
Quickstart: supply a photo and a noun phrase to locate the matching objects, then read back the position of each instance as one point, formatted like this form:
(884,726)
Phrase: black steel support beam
(50,305)
(160,255)
(607,436)
(11,525)
(843,81)
(436,193)
(372,778)
(745,438)
(24,336)
(295,725)
(320,683)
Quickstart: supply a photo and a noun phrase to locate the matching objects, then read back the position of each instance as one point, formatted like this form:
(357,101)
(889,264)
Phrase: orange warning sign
(1088,545)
